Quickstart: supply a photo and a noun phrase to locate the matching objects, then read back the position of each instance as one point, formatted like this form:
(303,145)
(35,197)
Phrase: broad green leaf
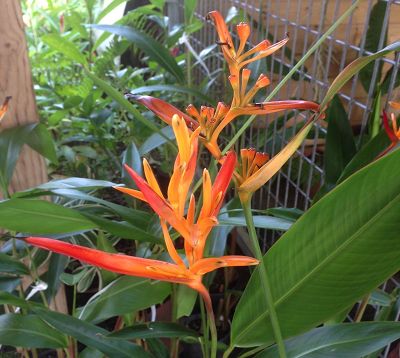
(66,47)
(123,102)
(91,335)
(41,217)
(138,218)
(174,88)
(346,340)
(121,229)
(29,331)
(125,295)
(131,157)
(155,140)
(154,330)
(372,41)
(9,283)
(291,214)
(367,154)
(68,183)
(385,86)
(8,264)
(57,265)
(353,68)
(189,8)
(375,121)
(110,7)
(11,142)
(41,141)
(156,51)
(186,299)
(260,221)
(340,147)
(337,252)
(10,299)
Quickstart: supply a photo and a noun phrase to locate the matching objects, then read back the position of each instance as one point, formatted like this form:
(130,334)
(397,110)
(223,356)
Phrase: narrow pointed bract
(4,107)
(171,210)
(213,121)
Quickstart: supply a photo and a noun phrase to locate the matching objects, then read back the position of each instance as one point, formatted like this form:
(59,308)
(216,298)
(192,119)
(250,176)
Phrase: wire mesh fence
(306,21)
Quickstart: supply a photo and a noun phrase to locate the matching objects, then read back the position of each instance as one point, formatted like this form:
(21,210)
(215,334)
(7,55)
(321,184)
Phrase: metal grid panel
(295,185)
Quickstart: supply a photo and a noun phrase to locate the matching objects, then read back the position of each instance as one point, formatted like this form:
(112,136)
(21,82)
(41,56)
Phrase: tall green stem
(265,283)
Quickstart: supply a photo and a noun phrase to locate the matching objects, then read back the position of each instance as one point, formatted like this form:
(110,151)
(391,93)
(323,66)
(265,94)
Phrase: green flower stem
(292,71)
(265,283)
(213,331)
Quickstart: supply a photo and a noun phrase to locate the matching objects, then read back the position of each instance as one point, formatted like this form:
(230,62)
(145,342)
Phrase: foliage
(329,258)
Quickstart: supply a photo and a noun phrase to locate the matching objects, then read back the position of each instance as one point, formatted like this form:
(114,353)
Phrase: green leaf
(67,48)
(57,265)
(41,141)
(110,7)
(372,39)
(123,102)
(353,68)
(10,299)
(29,332)
(155,140)
(367,154)
(186,299)
(337,252)
(121,228)
(9,264)
(11,142)
(291,214)
(340,147)
(174,88)
(131,157)
(347,340)
(375,121)
(91,335)
(125,295)
(41,217)
(154,330)
(148,45)
(386,81)
(260,221)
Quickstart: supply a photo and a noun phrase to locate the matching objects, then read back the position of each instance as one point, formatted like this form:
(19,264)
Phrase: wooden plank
(16,81)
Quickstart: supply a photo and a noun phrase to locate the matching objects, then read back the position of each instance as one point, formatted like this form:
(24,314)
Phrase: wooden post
(16,81)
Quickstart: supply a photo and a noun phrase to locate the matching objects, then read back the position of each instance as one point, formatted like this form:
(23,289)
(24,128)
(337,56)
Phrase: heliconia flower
(255,168)
(237,59)
(212,121)
(391,128)
(4,107)
(393,131)
(142,267)
(171,210)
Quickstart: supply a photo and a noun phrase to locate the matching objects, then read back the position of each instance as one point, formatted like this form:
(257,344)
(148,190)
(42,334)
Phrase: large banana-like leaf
(341,249)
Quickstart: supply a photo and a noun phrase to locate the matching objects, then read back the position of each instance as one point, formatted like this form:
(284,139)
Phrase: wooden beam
(16,81)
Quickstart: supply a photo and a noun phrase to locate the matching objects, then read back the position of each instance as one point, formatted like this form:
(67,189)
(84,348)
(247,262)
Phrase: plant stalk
(265,283)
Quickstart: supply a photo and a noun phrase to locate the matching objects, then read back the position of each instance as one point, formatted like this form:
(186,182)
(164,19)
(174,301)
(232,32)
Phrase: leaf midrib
(71,218)
(317,267)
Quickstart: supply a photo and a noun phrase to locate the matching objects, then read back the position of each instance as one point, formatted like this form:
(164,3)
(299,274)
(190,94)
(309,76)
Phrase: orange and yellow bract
(171,210)
(212,121)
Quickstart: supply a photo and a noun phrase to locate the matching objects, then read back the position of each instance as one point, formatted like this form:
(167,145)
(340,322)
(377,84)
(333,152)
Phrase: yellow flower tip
(262,46)
(243,31)
(395,105)
(246,73)
(262,81)
(221,111)
(192,111)
(4,107)
(234,81)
